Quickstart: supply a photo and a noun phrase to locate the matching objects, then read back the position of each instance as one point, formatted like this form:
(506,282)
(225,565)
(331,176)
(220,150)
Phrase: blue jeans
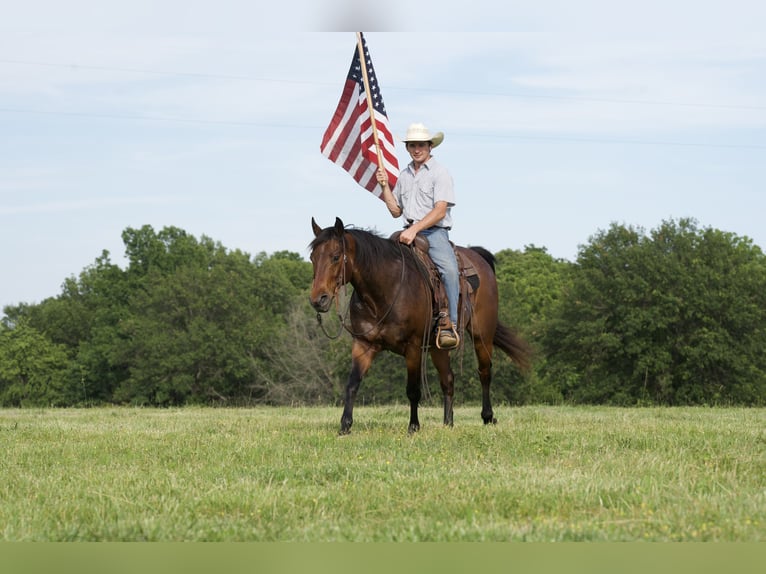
(443,256)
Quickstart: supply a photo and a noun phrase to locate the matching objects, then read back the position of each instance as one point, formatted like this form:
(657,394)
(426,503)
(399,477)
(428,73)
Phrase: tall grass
(283,474)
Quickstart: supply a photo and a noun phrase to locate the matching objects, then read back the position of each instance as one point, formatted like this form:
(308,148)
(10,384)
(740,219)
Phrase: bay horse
(390,309)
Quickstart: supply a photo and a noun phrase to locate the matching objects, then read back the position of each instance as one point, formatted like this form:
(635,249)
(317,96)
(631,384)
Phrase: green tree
(189,334)
(165,250)
(201,318)
(83,318)
(675,317)
(32,368)
(186,321)
(530,286)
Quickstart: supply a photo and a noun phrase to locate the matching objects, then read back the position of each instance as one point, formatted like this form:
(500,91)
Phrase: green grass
(283,474)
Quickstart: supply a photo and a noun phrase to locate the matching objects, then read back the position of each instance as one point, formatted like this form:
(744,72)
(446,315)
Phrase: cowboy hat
(420,133)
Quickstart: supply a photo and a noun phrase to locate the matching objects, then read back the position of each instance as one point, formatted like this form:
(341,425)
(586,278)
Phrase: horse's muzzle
(321,303)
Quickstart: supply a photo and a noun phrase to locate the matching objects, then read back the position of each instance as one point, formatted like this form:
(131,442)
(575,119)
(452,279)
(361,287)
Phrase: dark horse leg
(484,358)
(441,361)
(413,360)
(362,355)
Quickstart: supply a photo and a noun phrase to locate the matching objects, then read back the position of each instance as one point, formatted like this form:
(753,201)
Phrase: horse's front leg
(362,354)
(413,360)
(484,358)
(441,361)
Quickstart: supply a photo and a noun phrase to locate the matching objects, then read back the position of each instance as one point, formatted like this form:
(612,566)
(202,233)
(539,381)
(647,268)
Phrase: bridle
(340,280)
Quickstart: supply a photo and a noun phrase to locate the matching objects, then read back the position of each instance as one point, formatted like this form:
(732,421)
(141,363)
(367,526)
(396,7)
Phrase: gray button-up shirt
(417,192)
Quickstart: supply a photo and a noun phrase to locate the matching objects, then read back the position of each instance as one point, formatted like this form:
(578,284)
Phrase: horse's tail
(513,346)
(486,255)
(505,339)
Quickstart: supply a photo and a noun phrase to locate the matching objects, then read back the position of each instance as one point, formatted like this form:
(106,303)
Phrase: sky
(560,119)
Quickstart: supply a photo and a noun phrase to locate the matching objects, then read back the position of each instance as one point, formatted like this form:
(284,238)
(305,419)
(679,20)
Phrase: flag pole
(370,108)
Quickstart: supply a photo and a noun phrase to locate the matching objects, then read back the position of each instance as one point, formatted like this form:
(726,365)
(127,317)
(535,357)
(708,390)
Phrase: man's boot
(446,333)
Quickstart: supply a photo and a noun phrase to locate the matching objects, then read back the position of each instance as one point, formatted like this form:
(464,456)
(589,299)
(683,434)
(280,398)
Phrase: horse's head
(329,256)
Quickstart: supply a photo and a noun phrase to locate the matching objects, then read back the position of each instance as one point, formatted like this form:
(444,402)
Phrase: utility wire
(576,139)
(76,67)
(128,117)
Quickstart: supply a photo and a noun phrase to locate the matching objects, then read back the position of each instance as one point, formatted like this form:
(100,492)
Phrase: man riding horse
(424,195)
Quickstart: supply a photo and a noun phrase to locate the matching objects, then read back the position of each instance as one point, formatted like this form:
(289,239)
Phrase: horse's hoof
(412,429)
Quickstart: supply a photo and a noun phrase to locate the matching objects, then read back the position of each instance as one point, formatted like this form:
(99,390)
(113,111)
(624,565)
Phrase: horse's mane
(372,249)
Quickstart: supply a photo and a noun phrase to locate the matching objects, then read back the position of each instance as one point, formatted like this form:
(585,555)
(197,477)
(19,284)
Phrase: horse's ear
(339,227)
(315,227)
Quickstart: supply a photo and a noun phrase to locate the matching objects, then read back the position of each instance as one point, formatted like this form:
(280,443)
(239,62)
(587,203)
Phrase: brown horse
(390,309)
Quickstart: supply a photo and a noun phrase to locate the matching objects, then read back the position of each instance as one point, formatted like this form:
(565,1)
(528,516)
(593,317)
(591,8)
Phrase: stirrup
(446,328)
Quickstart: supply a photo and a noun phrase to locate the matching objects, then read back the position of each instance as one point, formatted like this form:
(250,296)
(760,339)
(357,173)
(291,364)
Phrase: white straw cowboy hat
(420,133)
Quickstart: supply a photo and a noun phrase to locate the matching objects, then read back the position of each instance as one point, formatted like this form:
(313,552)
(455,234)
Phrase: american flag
(349,141)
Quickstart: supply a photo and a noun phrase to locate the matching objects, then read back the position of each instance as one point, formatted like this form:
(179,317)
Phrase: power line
(591,99)
(575,139)
(201,75)
(128,117)
(578,139)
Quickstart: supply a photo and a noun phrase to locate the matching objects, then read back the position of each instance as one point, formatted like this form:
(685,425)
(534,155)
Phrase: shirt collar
(426,164)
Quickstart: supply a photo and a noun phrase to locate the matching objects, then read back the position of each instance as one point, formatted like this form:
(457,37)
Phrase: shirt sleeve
(397,191)
(444,187)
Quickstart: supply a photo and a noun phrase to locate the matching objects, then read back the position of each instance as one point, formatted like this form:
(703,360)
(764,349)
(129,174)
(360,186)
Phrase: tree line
(675,316)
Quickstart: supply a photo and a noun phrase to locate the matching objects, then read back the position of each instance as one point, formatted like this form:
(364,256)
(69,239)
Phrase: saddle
(468,277)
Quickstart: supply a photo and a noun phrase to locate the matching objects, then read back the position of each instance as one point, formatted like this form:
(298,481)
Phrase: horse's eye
(335,258)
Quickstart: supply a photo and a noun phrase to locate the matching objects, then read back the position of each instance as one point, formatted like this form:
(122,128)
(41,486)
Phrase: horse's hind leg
(362,355)
(441,361)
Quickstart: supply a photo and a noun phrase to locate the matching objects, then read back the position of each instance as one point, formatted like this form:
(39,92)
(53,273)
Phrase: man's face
(419,151)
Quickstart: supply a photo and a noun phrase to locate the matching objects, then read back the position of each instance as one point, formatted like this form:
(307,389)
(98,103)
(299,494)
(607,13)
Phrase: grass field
(283,474)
